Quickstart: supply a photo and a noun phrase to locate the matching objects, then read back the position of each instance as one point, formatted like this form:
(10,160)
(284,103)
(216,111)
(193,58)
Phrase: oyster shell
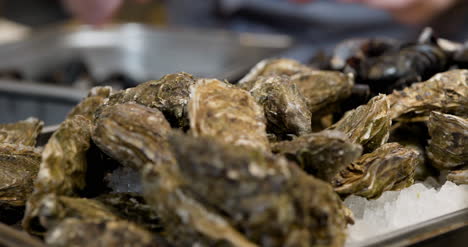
(277,66)
(459,176)
(321,154)
(170,95)
(19,165)
(132,207)
(222,195)
(75,232)
(446,92)
(63,167)
(323,89)
(389,167)
(448,146)
(23,132)
(285,109)
(227,113)
(368,125)
(133,134)
(88,106)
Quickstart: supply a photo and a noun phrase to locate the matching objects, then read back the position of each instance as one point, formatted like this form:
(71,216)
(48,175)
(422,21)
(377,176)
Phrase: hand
(95,12)
(412,12)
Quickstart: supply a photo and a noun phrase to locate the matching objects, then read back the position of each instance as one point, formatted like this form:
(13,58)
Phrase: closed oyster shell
(459,176)
(23,132)
(222,195)
(75,232)
(63,166)
(277,66)
(227,113)
(285,109)
(446,92)
(368,125)
(321,154)
(19,165)
(448,146)
(389,167)
(133,134)
(323,89)
(170,95)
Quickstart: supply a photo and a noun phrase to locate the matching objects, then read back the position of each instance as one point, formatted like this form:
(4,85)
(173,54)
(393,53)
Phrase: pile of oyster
(186,161)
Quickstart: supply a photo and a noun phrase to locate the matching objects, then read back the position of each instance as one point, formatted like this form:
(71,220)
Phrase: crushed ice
(398,209)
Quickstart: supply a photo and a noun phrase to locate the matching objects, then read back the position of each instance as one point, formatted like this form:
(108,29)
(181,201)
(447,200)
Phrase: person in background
(322,22)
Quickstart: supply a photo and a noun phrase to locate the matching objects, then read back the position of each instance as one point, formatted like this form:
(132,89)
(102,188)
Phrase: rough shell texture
(446,92)
(368,125)
(323,89)
(222,195)
(75,232)
(389,167)
(285,109)
(170,95)
(227,113)
(448,146)
(19,165)
(23,132)
(459,176)
(88,106)
(133,134)
(279,66)
(63,167)
(322,154)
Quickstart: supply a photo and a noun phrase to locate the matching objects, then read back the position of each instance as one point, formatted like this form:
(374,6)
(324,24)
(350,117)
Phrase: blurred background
(53,51)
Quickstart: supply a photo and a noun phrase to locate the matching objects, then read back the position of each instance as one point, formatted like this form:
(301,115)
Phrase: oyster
(446,92)
(459,176)
(278,66)
(132,207)
(88,106)
(448,146)
(19,165)
(222,195)
(23,132)
(63,166)
(389,167)
(227,113)
(170,95)
(75,232)
(368,125)
(322,154)
(285,109)
(133,134)
(323,89)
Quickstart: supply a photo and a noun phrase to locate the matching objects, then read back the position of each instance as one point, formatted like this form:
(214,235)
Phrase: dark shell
(279,66)
(448,146)
(23,132)
(228,114)
(321,154)
(446,92)
(63,166)
(285,109)
(389,167)
(133,134)
(170,95)
(368,125)
(76,233)
(19,165)
(231,196)
(323,89)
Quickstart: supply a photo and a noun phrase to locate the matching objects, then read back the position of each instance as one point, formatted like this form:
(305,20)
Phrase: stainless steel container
(136,50)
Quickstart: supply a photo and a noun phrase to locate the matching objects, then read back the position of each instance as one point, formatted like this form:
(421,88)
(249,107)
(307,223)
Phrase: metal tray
(136,50)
